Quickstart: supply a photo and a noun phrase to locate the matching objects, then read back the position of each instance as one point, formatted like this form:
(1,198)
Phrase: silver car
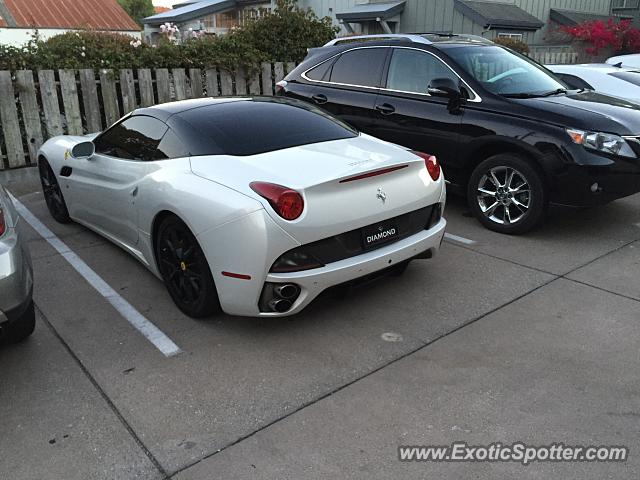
(17,316)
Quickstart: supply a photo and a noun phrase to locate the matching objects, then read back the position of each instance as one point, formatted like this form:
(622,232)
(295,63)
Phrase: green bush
(517,45)
(282,35)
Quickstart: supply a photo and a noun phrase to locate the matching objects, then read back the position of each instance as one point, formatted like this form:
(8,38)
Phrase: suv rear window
(362,67)
(631,77)
(249,127)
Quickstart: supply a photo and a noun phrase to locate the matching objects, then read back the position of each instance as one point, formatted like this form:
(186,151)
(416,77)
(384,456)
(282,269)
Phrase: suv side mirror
(83,150)
(444,87)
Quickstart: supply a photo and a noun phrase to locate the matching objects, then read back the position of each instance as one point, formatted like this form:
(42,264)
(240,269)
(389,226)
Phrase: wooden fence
(35,106)
(555,54)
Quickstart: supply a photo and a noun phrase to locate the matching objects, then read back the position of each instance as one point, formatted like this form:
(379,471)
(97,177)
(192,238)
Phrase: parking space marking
(152,333)
(456,238)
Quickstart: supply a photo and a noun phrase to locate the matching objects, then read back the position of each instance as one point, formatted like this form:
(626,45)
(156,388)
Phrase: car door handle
(134,192)
(385,109)
(320,99)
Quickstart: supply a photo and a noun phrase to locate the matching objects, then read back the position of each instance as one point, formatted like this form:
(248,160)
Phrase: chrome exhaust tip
(287,291)
(280,305)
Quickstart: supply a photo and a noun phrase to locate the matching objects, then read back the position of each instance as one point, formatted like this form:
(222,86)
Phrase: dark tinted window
(359,67)
(251,127)
(631,77)
(171,147)
(412,70)
(573,82)
(321,72)
(135,138)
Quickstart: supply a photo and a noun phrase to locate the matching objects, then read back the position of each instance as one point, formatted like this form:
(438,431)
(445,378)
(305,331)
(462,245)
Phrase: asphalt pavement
(528,339)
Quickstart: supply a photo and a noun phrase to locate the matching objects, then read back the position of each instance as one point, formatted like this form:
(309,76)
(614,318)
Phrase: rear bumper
(313,282)
(16,276)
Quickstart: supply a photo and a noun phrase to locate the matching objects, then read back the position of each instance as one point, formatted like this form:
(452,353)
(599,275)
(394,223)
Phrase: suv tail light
(431,162)
(287,203)
(3,224)
(281,86)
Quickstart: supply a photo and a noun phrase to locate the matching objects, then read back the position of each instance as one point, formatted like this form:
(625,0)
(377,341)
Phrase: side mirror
(444,87)
(83,150)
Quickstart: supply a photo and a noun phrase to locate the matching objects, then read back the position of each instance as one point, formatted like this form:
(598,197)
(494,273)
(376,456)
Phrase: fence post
(10,123)
(145,83)
(212,82)
(30,112)
(109,96)
(70,101)
(278,72)
(90,100)
(226,82)
(49,96)
(128,90)
(163,86)
(267,84)
(241,81)
(254,84)
(195,78)
(179,83)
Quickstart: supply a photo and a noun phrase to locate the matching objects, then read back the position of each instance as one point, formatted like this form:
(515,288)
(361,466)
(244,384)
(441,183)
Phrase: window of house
(227,19)
(513,36)
(625,4)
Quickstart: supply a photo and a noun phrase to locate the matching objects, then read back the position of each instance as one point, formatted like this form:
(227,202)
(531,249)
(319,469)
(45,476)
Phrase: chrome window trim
(477,98)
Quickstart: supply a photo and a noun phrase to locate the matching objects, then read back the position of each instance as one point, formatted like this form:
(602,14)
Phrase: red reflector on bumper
(237,275)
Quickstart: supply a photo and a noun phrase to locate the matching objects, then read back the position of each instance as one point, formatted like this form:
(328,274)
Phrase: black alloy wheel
(506,193)
(52,193)
(185,270)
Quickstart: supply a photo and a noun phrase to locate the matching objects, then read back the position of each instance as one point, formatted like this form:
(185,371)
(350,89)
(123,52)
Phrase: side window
(413,70)
(135,138)
(321,72)
(171,147)
(361,67)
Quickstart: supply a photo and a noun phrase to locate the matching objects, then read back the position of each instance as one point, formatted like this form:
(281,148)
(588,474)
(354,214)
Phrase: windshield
(503,72)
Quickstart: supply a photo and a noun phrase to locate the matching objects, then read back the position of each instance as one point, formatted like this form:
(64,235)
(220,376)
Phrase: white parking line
(458,239)
(152,333)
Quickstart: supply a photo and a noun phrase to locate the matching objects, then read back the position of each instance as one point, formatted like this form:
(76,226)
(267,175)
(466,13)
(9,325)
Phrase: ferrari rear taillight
(287,203)
(431,162)
(3,224)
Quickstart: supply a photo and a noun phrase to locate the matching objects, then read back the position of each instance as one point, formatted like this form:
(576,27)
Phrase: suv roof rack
(443,36)
(382,36)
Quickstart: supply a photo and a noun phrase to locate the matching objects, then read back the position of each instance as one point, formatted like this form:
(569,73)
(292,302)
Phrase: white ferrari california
(252,205)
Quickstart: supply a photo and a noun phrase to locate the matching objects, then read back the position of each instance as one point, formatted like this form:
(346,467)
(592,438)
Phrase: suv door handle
(320,99)
(385,109)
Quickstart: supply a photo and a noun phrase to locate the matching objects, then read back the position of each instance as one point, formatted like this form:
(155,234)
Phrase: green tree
(137,9)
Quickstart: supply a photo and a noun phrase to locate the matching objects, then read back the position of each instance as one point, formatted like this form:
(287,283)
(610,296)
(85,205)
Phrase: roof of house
(571,18)
(494,15)
(161,9)
(371,11)
(66,14)
(190,12)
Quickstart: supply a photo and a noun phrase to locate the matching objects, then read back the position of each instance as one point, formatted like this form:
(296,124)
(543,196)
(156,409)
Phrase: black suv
(509,134)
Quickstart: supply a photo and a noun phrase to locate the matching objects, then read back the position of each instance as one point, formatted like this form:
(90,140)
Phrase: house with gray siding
(533,21)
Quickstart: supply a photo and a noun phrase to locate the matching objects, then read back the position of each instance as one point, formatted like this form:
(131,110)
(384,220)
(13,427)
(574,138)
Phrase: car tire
(52,193)
(185,270)
(507,194)
(21,328)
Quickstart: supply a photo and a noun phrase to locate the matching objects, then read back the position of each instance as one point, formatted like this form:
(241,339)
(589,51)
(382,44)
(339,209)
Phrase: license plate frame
(379,234)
